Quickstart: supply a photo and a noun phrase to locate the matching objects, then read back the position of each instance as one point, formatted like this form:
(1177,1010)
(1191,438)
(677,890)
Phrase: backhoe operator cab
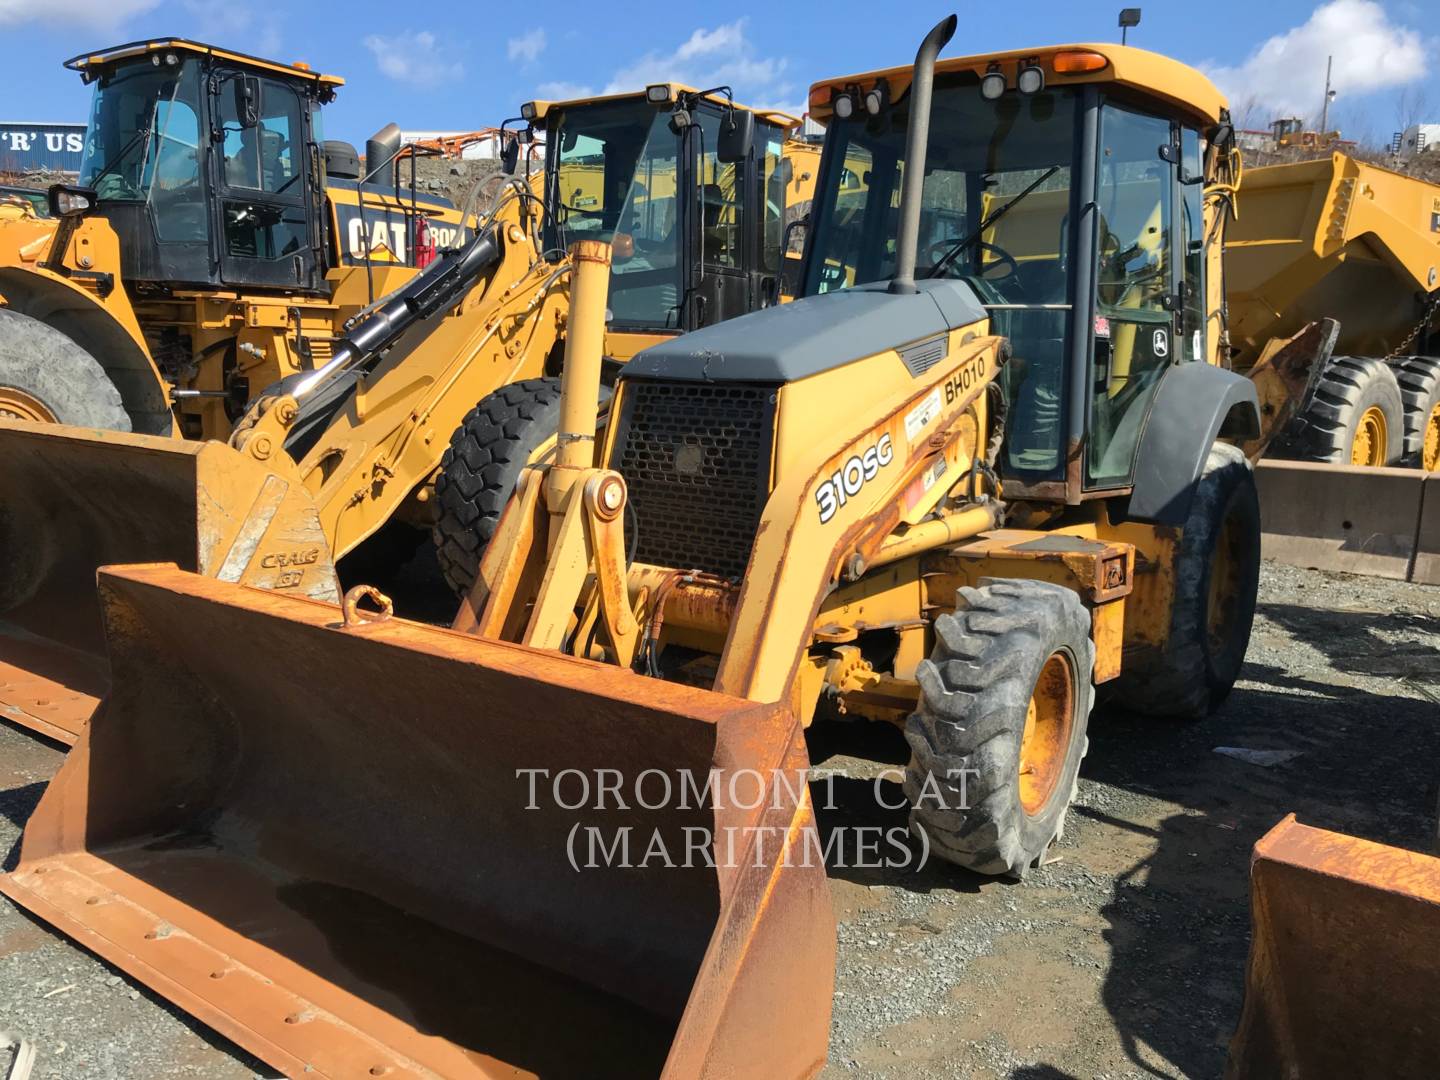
(688,187)
(1065,186)
(206,164)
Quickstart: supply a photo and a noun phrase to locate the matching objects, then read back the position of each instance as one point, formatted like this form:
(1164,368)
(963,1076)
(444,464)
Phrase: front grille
(696,458)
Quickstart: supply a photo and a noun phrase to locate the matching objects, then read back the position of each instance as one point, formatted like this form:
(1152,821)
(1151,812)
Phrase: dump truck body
(1332,238)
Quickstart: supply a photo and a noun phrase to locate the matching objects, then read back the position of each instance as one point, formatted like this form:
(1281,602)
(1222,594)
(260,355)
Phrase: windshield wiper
(962,245)
(114,163)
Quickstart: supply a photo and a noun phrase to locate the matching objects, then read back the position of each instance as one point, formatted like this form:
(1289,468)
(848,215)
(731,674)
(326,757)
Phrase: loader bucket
(1344,970)
(74,499)
(321,840)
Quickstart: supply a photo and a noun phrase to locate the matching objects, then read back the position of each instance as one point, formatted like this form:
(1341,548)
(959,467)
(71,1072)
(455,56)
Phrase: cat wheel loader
(356,461)
(981,468)
(214,244)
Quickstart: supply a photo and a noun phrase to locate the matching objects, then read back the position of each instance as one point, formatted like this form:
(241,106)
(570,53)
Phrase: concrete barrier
(1352,519)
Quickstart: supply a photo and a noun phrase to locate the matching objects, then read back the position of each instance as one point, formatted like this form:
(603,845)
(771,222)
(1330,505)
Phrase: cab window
(1134,339)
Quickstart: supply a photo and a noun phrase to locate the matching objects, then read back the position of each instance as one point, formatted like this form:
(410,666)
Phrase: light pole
(1129,17)
(1329,97)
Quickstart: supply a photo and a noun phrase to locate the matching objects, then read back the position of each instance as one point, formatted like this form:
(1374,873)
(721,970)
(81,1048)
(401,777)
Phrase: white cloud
(82,14)
(722,56)
(228,23)
(527,47)
(1287,72)
(415,57)
(563,91)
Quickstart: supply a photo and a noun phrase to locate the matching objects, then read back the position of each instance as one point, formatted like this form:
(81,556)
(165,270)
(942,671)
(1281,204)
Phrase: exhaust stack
(917,139)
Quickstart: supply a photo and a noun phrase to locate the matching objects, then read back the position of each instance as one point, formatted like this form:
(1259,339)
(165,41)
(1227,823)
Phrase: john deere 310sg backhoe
(977,471)
(458,366)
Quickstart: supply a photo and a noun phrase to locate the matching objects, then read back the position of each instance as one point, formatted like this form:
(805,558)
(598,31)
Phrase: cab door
(1148,283)
(263,217)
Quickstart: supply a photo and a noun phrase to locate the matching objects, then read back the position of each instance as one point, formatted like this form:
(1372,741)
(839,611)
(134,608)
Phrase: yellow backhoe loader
(949,487)
(344,463)
(214,244)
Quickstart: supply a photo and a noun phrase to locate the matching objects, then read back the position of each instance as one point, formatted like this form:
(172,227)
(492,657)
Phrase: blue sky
(461,66)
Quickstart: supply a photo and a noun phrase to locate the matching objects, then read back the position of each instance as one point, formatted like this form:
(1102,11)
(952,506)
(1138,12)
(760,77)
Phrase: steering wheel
(1003,259)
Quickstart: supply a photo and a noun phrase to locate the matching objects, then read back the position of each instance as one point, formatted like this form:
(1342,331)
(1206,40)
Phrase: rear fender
(106,329)
(1196,404)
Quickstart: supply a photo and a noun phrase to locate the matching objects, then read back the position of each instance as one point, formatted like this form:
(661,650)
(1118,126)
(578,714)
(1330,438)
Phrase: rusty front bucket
(75,499)
(1344,975)
(328,843)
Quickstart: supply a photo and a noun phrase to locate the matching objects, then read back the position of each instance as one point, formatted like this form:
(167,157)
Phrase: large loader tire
(1419,379)
(1217,576)
(997,740)
(1355,418)
(479,471)
(47,378)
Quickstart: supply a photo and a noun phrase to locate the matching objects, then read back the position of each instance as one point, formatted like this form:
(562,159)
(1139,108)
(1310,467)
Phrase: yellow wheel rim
(1430,448)
(1372,436)
(16,404)
(1048,723)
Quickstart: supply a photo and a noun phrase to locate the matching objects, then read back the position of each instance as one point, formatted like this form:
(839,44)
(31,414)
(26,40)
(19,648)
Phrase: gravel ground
(1122,958)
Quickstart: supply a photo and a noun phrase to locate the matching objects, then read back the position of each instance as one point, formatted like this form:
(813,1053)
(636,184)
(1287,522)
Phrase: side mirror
(787,172)
(247,100)
(737,136)
(380,150)
(510,156)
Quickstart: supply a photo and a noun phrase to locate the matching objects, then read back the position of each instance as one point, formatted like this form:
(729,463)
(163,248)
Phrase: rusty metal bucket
(321,841)
(74,499)
(1344,974)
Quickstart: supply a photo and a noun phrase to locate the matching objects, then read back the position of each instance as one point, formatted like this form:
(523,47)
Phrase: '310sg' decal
(846,482)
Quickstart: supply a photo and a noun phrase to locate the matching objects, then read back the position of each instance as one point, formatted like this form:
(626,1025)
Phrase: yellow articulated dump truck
(214,244)
(1338,238)
(1352,482)
(424,412)
(947,487)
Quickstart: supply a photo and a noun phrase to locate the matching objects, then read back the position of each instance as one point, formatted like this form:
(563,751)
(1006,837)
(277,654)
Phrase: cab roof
(1178,85)
(673,91)
(92,64)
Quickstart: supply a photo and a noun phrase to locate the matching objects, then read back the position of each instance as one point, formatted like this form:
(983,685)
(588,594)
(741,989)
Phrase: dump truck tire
(1355,418)
(997,740)
(46,377)
(481,468)
(1419,379)
(1217,576)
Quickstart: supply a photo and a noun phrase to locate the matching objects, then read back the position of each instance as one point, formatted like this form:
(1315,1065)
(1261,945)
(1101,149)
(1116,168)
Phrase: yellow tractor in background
(213,245)
(955,487)
(426,409)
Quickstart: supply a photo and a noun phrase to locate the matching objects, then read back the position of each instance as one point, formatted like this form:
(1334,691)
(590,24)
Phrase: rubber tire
(1419,379)
(480,469)
(1348,386)
(1187,680)
(47,365)
(974,693)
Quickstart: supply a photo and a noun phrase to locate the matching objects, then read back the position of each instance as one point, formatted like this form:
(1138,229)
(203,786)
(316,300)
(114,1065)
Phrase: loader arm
(813,534)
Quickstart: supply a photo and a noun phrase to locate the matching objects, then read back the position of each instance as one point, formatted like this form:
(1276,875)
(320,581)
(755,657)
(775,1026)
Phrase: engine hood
(794,341)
